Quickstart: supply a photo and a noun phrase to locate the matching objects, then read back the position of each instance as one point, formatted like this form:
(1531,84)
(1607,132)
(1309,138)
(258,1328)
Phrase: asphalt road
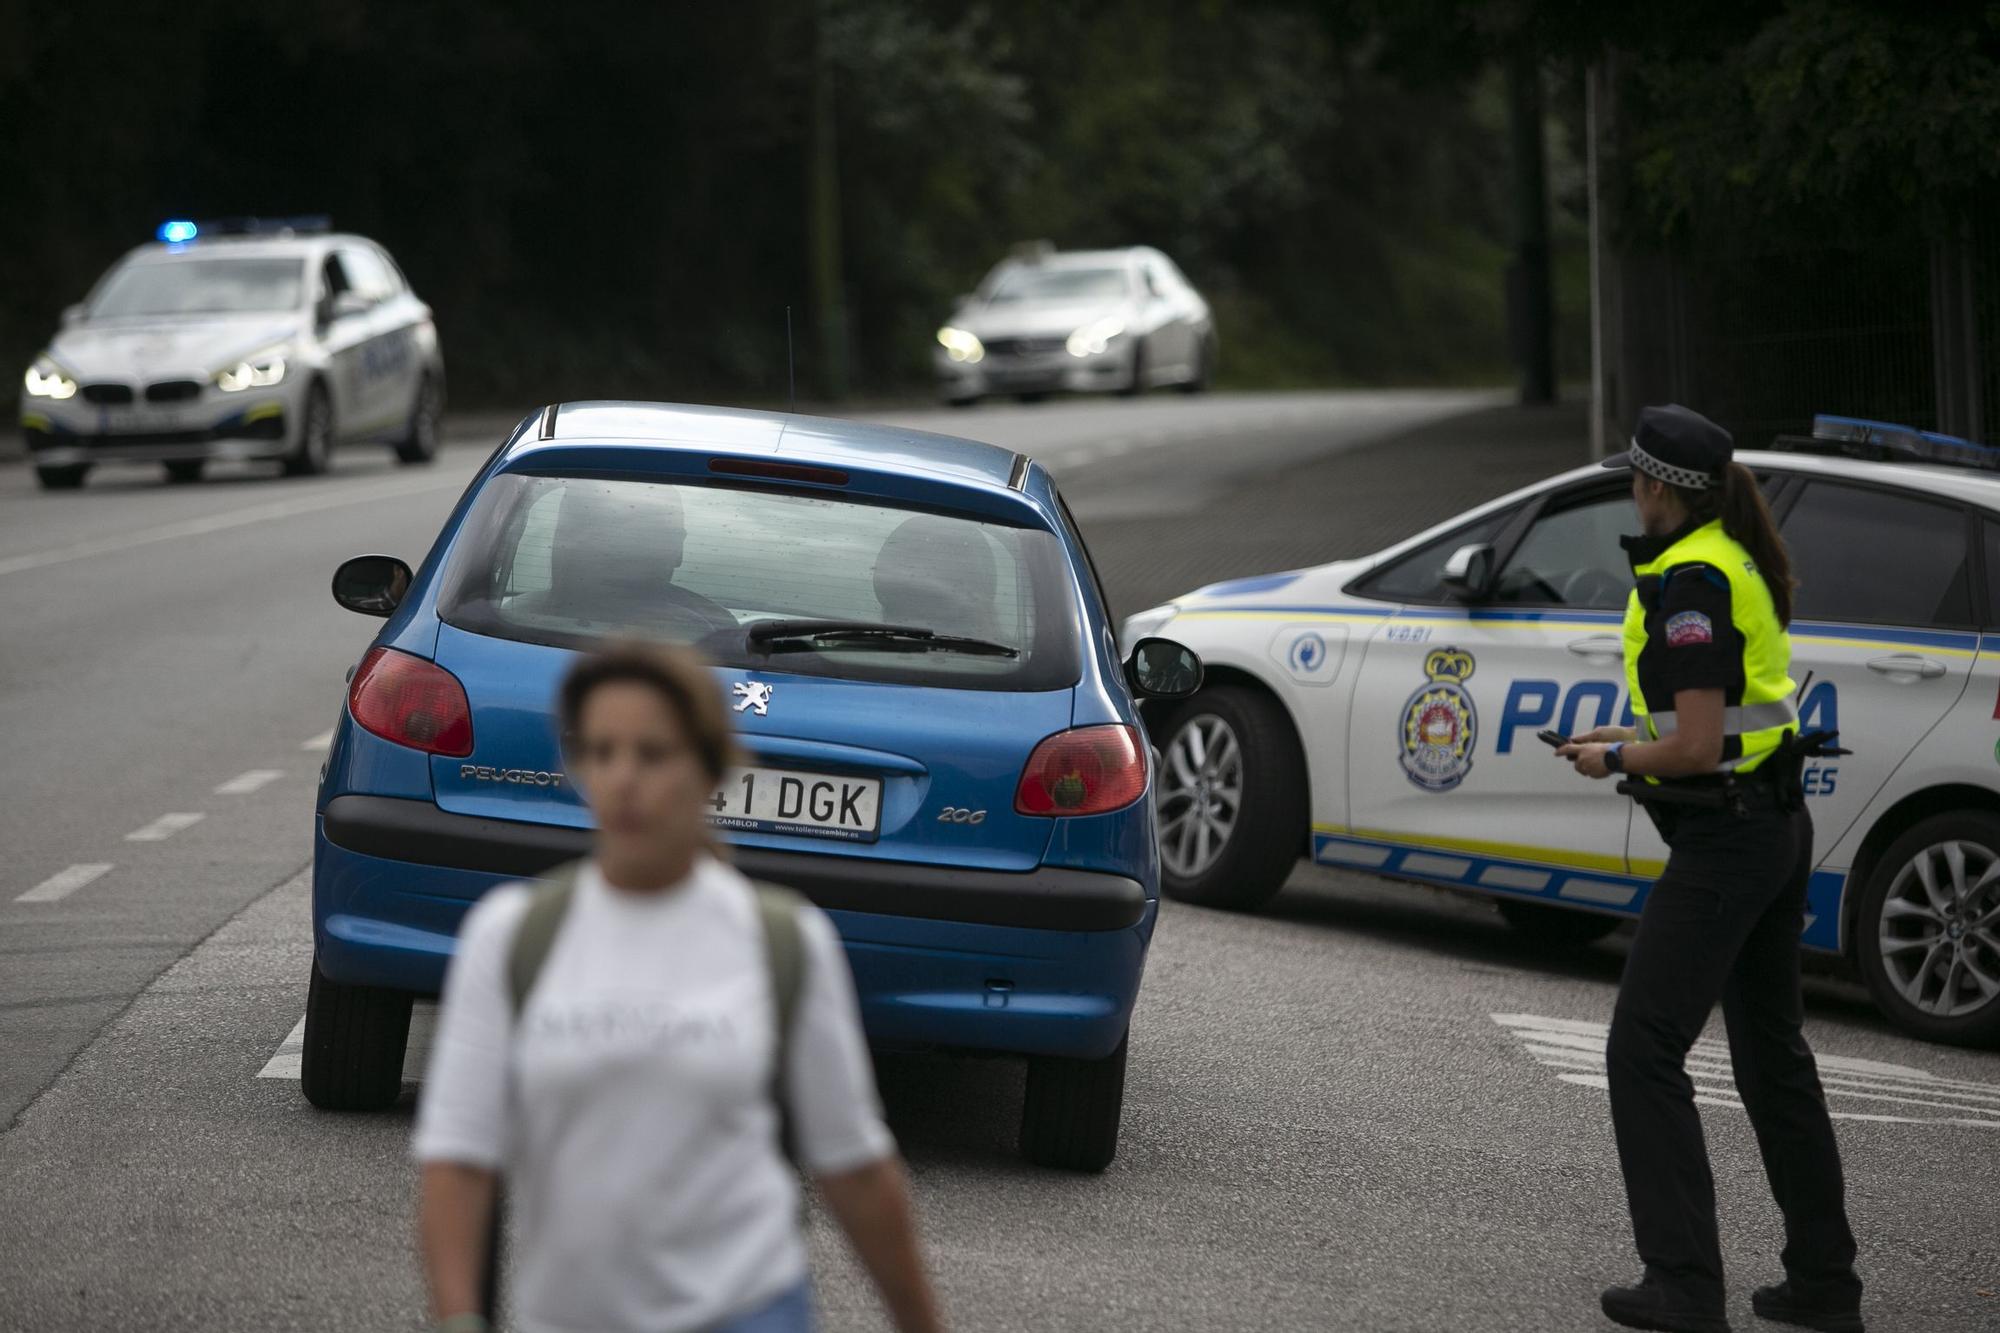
(1370,1107)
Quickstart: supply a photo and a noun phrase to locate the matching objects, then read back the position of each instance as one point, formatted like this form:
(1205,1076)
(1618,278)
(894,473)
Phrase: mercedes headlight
(960,345)
(1092,339)
(45,379)
(253,372)
(1145,623)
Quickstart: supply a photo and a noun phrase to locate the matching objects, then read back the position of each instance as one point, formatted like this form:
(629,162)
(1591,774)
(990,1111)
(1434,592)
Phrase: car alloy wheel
(1201,795)
(1938,931)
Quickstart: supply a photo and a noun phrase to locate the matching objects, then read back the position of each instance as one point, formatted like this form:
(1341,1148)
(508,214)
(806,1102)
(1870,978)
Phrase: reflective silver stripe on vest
(1736,721)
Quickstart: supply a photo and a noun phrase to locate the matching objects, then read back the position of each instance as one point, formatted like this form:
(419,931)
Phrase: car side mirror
(72,314)
(1468,573)
(1163,669)
(371,584)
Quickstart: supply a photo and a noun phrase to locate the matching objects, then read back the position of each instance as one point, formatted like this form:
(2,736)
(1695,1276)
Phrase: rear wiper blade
(790,636)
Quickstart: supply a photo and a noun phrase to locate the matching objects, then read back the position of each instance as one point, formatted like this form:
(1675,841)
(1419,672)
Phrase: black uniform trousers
(1723,924)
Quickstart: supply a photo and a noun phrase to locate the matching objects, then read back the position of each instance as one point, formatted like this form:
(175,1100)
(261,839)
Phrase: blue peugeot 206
(941,745)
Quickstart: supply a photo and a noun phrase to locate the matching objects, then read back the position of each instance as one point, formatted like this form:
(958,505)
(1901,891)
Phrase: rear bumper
(1045,962)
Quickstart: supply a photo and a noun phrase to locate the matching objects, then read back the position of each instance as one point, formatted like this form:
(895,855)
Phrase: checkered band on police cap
(1667,472)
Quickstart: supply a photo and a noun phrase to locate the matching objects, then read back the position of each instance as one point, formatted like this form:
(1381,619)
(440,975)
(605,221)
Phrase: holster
(1777,784)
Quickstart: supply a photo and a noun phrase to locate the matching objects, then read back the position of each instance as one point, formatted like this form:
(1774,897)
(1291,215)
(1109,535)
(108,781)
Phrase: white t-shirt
(631,1109)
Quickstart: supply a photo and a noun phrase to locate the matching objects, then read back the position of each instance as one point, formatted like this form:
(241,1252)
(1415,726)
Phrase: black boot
(1782,1304)
(1650,1305)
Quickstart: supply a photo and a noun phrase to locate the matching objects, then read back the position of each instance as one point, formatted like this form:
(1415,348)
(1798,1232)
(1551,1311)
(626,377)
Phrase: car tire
(1070,1114)
(420,439)
(1557,927)
(1890,972)
(185,470)
(1136,385)
(62,478)
(1037,396)
(310,456)
(1259,848)
(356,1037)
(1204,367)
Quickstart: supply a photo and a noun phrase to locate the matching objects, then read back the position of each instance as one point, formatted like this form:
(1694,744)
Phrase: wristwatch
(1613,760)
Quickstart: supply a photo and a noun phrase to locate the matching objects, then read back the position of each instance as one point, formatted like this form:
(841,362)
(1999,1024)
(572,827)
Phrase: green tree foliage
(610,197)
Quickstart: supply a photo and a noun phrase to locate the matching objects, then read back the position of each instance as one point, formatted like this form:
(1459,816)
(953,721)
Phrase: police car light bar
(179,231)
(1886,442)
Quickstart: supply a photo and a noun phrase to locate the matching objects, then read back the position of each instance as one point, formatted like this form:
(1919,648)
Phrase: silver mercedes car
(246,340)
(1119,321)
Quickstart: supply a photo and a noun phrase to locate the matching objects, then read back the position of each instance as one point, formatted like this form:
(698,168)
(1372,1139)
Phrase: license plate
(781,800)
(130,421)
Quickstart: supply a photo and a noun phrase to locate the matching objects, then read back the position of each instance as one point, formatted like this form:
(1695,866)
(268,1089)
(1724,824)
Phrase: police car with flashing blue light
(246,339)
(1382,714)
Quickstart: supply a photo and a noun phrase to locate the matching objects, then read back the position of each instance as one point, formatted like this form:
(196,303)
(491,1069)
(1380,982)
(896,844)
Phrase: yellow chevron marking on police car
(264,410)
(34,421)
(1501,851)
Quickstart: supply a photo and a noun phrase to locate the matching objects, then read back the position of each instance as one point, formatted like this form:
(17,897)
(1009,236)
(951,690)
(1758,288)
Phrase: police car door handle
(1907,664)
(1598,645)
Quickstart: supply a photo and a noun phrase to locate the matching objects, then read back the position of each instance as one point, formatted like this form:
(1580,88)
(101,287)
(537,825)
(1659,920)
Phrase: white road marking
(235,518)
(323,741)
(165,827)
(285,1061)
(245,783)
(1575,1048)
(64,882)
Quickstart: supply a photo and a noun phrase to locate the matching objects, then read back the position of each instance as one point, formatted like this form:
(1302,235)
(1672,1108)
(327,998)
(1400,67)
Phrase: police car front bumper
(211,427)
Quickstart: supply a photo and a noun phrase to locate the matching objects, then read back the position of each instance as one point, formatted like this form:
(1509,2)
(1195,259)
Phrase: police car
(1383,713)
(238,340)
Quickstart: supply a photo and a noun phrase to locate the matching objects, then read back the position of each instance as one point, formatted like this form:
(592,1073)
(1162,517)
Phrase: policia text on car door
(1715,759)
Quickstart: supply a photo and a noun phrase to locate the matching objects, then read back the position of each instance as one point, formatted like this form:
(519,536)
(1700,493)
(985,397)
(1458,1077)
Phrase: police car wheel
(62,478)
(354,1045)
(1070,1115)
(1928,929)
(1560,927)
(185,469)
(1232,799)
(420,442)
(1137,384)
(309,456)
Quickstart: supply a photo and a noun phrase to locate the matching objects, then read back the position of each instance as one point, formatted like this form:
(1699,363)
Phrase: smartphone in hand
(1553,739)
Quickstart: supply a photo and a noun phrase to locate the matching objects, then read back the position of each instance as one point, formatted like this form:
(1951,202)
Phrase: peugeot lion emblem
(753,694)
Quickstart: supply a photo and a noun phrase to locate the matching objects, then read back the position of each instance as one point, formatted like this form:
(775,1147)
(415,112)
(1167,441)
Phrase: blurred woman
(611,1041)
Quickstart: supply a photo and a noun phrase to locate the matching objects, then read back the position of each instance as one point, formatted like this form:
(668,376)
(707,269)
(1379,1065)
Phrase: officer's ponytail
(1739,503)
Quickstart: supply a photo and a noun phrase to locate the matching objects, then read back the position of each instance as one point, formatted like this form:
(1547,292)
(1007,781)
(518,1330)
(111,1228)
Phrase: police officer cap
(1677,445)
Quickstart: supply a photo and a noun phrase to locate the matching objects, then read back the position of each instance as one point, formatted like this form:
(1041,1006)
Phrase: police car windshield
(570,561)
(1062,284)
(201,287)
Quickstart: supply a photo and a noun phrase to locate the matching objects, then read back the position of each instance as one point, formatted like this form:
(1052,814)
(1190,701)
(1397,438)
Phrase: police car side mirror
(371,584)
(72,314)
(1163,669)
(1468,573)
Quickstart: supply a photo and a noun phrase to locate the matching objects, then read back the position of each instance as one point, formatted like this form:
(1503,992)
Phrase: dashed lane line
(235,518)
(245,783)
(285,1061)
(165,826)
(64,882)
(323,741)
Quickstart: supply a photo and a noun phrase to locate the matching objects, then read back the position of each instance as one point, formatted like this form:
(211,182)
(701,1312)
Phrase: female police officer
(1714,761)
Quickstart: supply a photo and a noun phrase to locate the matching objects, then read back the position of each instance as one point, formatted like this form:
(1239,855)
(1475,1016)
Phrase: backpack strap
(536,934)
(785,961)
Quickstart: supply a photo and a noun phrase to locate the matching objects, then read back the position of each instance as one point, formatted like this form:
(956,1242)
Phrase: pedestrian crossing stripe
(1856,1089)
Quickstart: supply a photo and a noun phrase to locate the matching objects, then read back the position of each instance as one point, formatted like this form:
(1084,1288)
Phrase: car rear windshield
(572,561)
(201,287)
(1062,284)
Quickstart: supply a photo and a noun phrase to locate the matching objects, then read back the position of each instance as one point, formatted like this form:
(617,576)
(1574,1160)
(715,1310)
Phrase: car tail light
(411,702)
(1087,771)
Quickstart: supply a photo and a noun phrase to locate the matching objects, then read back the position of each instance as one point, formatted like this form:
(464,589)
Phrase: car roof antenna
(791,366)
